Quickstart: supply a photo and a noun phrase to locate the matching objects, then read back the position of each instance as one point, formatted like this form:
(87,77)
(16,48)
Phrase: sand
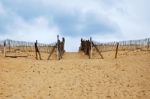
(77,77)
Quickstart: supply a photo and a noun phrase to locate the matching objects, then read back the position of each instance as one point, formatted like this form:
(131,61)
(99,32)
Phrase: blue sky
(103,20)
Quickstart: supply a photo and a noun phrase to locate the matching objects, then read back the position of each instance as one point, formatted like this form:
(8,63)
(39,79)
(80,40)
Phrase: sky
(103,20)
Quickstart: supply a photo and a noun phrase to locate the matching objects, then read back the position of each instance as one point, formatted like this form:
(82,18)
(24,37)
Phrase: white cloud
(133,19)
(38,29)
(130,17)
(2,10)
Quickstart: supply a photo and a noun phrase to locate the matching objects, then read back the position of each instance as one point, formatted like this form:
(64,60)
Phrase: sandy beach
(77,77)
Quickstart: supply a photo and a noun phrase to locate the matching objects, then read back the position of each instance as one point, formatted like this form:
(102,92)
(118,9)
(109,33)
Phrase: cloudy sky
(103,20)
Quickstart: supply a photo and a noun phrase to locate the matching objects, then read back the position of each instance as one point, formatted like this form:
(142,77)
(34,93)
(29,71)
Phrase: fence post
(4,48)
(9,45)
(36,50)
(63,40)
(57,47)
(91,51)
(116,50)
(148,43)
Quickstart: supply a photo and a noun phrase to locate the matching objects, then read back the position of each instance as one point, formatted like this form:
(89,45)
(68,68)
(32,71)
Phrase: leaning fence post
(4,48)
(117,50)
(98,50)
(91,51)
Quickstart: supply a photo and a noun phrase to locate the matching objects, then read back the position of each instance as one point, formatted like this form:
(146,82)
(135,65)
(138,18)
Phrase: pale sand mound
(127,77)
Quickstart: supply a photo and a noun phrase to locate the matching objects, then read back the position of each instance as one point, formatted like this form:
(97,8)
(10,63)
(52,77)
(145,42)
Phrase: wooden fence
(130,45)
(87,46)
(142,44)
(11,46)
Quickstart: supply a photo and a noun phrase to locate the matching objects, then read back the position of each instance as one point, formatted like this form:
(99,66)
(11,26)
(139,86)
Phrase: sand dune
(77,77)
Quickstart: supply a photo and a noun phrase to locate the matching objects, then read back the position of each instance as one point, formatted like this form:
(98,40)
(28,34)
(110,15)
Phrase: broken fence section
(14,48)
(87,46)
